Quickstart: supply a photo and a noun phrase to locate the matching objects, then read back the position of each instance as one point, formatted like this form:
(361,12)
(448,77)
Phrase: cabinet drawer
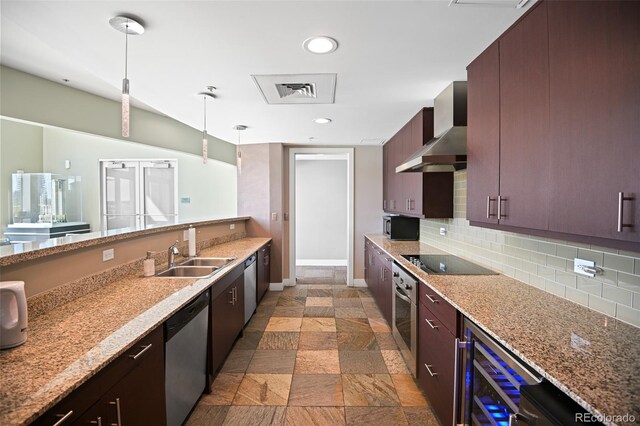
(436,349)
(446,313)
(89,393)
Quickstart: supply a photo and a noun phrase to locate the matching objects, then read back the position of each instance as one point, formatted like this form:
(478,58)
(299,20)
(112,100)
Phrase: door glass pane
(159,196)
(120,193)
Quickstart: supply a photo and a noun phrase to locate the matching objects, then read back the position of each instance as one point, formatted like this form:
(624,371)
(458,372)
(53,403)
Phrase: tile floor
(315,354)
(321,275)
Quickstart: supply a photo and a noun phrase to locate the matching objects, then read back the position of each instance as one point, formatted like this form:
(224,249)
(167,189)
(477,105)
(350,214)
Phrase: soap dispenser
(149,265)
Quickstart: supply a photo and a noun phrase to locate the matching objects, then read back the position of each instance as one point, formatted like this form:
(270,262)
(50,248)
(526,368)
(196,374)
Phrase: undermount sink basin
(216,262)
(188,272)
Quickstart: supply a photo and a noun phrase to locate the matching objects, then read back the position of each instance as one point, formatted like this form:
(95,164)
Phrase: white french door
(138,193)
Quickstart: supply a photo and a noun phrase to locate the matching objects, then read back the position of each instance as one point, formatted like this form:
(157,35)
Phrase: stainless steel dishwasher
(250,292)
(186,358)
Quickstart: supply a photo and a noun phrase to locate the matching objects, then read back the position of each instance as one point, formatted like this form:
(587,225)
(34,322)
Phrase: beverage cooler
(498,389)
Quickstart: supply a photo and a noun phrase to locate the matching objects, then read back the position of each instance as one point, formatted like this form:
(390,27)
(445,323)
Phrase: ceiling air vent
(297,88)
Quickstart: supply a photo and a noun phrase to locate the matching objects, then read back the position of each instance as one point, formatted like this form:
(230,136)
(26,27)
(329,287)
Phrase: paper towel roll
(192,242)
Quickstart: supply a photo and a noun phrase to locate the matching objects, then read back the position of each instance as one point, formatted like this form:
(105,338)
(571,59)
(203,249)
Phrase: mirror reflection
(57,182)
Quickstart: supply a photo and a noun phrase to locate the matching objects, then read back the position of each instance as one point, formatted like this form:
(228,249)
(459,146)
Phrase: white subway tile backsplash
(601,305)
(545,263)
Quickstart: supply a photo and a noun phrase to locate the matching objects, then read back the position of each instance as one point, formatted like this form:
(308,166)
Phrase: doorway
(138,193)
(321,215)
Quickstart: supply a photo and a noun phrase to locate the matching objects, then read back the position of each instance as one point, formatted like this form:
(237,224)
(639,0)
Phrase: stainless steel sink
(216,262)
(188,272)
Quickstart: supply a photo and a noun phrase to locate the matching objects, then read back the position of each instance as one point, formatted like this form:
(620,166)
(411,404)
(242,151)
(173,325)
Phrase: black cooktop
(446,264)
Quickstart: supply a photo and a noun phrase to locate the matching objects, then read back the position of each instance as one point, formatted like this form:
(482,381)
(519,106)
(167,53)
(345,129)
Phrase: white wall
(321,211)
(212,187)
(20,149)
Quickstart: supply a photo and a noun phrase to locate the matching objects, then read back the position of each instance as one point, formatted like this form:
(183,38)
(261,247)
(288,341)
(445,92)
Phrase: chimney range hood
(448,151)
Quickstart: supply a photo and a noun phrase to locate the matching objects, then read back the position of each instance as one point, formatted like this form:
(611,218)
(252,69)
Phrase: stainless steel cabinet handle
(431,324)
(515,419)
(384,204)
(429,370)
(431,299)
(118,415)
(456,376)
(98,421)
(63,418)
(621,200)
(489,200)
(144,349)
(500,200)
(231,293)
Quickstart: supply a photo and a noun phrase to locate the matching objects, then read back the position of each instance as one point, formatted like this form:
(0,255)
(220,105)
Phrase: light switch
(274,216)
(107,255)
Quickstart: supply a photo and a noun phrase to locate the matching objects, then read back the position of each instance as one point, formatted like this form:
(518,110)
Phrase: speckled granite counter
(16,253)
(538,326)
(71,343)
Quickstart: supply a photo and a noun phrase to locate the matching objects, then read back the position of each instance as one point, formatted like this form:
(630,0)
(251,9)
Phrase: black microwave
(401,228)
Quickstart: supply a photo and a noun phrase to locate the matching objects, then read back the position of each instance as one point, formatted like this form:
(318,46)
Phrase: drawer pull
(118,416)
(146,348)
(431,299)
(97,422)
(429,370)
(64,418)
(431,324)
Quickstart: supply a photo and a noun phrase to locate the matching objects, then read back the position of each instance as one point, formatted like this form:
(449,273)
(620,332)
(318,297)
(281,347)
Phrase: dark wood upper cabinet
(424,195)
(483,136)
(594,59)
(524,122)
(568,118)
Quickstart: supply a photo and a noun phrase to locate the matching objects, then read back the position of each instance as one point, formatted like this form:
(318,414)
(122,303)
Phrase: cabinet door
(386,294)
(414,186)
(483,136)
(524,122)
(385,176)
(223,333)
(594,59)
(95,416)
(436,363)
(139,397)
(238,305)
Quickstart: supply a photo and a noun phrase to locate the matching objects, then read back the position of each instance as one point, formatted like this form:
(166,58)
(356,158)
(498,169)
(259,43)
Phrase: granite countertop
(600,374)
(22,252)
(69,344)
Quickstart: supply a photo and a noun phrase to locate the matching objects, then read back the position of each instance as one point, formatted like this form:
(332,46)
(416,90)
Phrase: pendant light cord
(126,47)
(205,113)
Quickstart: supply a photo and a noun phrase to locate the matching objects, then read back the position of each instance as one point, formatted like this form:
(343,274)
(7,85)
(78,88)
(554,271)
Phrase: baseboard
(276,287)
(288,282)
(321,262)
(359,282)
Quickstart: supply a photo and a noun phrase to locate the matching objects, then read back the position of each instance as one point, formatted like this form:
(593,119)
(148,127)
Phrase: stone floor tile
(317,341)
(316,416)
(357,342)
(316,390)
(408,392)
(353,325)
(386,341)
(369,390)
(350,313)
(263,389)
(237,361)
(317,362)
(288,311)
(319,301)
(362,362)
(319,311)
(279,340)
(249,340)
(379,325)
(272,361)
(284,324)
(420,416)
(395,362)
(207,415)
(255,416)
(223,390)
(318,324)
(370,416)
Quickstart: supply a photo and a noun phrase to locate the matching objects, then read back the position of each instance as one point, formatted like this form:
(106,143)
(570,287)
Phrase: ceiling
(393,58)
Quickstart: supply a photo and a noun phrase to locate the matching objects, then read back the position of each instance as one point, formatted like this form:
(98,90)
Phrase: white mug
(13,314)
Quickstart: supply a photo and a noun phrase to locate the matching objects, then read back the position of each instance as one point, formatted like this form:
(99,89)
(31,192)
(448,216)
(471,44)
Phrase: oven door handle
(401,296)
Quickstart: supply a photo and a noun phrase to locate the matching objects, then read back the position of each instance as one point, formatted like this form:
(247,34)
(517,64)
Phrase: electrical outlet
(232,226)
(443,231)
(185,235)
(584,267)
(107,255)
(274,216)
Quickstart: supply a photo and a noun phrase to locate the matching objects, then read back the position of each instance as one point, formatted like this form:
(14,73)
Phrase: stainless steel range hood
(448,151)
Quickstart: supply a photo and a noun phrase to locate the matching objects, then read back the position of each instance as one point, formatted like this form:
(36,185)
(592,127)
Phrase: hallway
(315,354)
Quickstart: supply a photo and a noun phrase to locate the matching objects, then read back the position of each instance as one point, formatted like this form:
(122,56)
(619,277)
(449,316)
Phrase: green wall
(34,99)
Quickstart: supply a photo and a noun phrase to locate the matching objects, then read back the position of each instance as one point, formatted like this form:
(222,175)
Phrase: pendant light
(205,137)
(126,25)
(239,128)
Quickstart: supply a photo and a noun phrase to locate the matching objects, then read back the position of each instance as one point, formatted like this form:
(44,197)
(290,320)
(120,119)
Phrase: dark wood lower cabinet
(227,316)
(379,279)
(264,271)
(436,363)
(127,392)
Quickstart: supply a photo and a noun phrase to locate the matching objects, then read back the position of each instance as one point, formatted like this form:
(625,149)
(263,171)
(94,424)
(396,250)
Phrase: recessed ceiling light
(322,120)
(320,44)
